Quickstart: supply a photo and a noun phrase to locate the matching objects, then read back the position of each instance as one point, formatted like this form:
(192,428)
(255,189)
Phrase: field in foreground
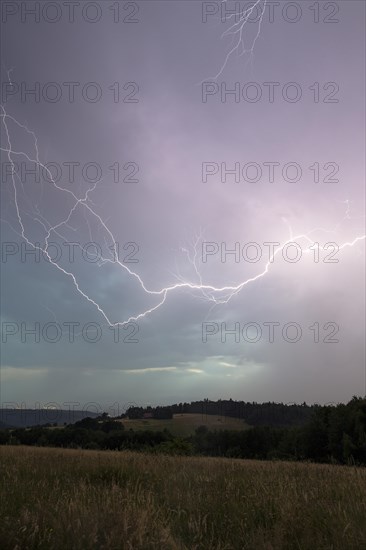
(71,499)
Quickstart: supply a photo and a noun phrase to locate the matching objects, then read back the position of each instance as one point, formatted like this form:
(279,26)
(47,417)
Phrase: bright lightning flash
(207,292)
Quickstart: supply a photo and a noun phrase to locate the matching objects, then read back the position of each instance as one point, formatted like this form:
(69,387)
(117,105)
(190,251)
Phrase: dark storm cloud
(167,135)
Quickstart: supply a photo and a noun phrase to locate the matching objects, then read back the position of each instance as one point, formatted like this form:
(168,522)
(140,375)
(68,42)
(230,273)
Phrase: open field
(183,425)
(71,499)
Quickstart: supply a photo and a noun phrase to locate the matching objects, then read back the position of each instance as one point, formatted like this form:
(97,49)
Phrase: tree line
(328,433)
(254,414)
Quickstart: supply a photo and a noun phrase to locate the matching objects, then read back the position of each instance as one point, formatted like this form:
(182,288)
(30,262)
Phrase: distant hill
(184,425)
(4,426)
(23,418)
(253,414)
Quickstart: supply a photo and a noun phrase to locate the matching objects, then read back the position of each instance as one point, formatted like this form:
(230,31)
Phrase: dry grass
(70,499)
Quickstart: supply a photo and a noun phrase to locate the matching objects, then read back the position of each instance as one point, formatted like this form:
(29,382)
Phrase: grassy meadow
(76,499)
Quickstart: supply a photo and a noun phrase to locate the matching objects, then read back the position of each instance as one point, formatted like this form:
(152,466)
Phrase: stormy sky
(216,150)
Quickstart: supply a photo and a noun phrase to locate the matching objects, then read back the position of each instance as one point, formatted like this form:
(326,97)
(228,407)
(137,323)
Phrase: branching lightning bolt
(236,30)
(213,294)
